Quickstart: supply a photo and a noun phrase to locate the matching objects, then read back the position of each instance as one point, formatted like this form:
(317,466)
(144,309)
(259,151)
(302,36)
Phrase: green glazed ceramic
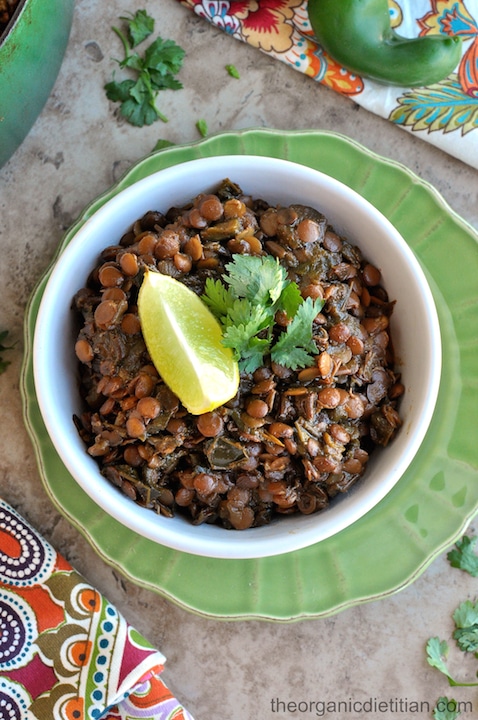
(31,53)
(434,501)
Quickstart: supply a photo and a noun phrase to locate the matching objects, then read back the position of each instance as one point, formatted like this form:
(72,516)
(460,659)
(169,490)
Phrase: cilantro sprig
(246,301)
(152,72)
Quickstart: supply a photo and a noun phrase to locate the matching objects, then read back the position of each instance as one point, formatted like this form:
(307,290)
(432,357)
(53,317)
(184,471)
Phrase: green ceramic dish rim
(414,523)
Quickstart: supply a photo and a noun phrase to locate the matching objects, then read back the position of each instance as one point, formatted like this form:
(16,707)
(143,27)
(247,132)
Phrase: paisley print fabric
(444,114)
(65,651)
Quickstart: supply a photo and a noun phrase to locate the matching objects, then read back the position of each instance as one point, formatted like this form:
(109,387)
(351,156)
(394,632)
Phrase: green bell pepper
(358,35)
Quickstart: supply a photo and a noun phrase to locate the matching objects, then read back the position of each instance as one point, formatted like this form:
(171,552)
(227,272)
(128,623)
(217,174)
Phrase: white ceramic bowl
(415,331)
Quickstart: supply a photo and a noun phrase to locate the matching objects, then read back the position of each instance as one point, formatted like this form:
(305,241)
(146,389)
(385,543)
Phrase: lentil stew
(290,440)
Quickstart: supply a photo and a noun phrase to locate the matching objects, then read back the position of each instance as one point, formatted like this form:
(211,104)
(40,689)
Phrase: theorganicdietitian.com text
(377,706)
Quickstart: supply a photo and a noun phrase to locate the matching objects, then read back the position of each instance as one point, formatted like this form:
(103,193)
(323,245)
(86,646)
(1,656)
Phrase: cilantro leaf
(4,363)
(242,326)
(463,556)
(290,299)
(260,280)
(161,144)
(295,344)
(164,82)
(119,91)
(140,26)
(467,638)
(466,614)
(254,318)
(141,90)
(217,297)
(202,127)
(233,71)
(248,348)
(133,62)
(139,111)
(437,653)
(446,709)
(466,622)
(164,57)
(153,71)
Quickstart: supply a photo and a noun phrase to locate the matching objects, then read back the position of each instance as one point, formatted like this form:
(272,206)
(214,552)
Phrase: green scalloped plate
(430,507)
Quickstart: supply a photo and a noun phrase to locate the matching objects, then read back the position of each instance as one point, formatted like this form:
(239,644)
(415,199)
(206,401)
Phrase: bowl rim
(239,545)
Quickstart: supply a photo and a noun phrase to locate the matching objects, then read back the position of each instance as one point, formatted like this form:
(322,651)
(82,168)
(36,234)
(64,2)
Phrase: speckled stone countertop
(77,148)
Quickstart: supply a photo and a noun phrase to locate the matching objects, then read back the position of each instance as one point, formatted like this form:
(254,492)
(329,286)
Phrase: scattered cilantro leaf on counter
(153,71)
(140,26)
(466,622)
(446,709)
(463,555)
(161,144)
(4,363)
(233,71)
(246,301)
(437,654)
(202,127)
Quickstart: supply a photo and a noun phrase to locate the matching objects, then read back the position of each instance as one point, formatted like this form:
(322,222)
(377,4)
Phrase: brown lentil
(135,427)
(148,407)
(291,440)
(130,324)
(84,351)
(257,408)
(355,344)
(183,262)
(129,264)
(329,398)
(339,333)
(110,276)
(371,275)
(169,245)
(105,314)
(210,208)
(147,244)
(193,247)
(210,424)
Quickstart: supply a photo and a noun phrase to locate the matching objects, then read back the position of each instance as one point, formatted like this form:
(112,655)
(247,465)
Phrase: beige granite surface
(76,150)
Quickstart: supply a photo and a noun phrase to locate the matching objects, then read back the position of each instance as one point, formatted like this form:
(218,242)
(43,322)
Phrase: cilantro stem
(124,41)
(159,113)
(455,683)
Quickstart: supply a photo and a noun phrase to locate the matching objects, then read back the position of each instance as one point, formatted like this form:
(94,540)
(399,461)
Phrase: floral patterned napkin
(444,114)
(65,651)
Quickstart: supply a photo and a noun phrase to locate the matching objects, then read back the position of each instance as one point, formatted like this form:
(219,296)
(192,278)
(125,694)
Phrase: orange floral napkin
(444,114)
(66,653)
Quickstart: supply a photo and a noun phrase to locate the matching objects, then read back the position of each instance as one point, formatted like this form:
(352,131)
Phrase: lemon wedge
(183,339)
